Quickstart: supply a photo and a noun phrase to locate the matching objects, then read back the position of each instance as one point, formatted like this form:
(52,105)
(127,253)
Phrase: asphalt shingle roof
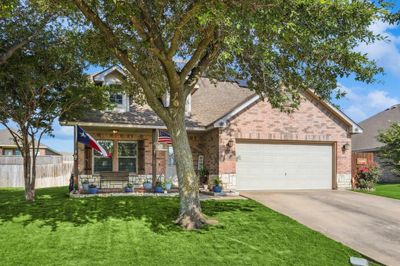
(210,102)
(372,126)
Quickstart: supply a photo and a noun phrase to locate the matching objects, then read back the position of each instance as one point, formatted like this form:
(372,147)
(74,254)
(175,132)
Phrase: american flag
(164,137)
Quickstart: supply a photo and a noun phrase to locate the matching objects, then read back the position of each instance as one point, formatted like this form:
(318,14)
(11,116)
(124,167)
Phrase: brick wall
(311,122)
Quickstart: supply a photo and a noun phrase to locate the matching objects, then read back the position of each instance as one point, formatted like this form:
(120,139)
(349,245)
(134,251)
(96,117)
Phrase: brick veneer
(311,122)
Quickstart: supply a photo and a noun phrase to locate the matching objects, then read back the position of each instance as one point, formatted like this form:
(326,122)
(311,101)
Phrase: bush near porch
(139,231)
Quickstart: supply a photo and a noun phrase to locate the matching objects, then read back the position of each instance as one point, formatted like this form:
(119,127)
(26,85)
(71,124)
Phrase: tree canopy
(279,47)
(40,81)
(390,152)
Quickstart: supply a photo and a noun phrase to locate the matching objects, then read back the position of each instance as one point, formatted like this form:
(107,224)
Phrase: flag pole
(76,155)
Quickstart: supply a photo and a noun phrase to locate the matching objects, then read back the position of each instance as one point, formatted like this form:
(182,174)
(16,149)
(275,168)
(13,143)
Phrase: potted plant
(128,188)
(159,187)
(167,184)
(85,185)
(203,177)
(217,185)
(93,189)
(147,184)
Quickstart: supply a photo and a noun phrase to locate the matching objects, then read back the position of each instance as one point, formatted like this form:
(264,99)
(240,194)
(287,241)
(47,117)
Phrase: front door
(171,167)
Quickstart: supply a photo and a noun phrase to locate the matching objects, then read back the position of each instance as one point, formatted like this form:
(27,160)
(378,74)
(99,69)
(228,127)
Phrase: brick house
(9,148)
(233,134)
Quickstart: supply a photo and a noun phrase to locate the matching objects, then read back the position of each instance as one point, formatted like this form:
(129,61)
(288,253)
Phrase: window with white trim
(101,163)
(116,98)
(127,156)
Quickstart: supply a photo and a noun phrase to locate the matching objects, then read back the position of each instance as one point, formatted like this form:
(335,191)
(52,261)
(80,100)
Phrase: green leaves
(390,152)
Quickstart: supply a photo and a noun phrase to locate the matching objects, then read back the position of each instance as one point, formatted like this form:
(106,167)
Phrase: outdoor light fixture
(115,131)
(346,147)
(230,143)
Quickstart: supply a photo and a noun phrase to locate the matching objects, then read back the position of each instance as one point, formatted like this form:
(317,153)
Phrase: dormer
(114,76)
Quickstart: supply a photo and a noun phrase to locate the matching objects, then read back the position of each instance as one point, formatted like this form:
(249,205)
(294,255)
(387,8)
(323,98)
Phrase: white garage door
(283,166)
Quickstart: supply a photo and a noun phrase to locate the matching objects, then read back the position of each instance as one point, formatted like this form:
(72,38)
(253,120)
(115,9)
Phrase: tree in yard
(390,152)
(38,83)
(281,48)
(21,22)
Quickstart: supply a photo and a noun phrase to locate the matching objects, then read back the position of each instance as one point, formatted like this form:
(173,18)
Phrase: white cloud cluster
(362,104)
(386,52)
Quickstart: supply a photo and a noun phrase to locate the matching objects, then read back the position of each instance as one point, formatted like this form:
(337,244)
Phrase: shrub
(129,185)
(217,181)
(367,177)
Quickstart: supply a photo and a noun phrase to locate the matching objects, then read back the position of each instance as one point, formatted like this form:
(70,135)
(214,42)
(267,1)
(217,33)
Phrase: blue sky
(362,100)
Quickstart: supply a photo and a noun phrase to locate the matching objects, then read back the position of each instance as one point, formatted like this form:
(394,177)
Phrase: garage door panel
(283,166)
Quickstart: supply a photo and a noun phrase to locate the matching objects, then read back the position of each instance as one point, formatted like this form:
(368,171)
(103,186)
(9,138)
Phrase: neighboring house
(367,142)
(9,148)
(52,167)
(232,133)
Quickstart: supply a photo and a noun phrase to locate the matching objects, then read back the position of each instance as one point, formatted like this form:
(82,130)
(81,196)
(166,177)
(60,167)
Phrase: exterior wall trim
(112,125)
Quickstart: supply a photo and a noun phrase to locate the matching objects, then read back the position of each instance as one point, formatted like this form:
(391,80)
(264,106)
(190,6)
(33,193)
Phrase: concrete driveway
(369,224)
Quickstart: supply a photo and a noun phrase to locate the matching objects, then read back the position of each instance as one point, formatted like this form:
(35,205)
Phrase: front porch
(137,153)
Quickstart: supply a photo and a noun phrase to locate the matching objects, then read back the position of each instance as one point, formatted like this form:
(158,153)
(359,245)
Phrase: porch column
(154,157)
(115,156)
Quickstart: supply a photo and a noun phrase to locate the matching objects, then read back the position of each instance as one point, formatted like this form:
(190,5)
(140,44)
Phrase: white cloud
(387,52)
(361,104)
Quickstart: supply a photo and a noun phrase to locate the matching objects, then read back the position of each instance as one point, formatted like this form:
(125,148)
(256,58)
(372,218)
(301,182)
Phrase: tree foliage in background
(39,82)
(390,152)
(281,48)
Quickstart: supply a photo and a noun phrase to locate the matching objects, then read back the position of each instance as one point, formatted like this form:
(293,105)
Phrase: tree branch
(192,9)
(197,55)
(211,54)
(123,57)
(10,51)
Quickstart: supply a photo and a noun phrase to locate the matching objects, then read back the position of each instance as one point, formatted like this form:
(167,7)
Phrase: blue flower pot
(128,189)
(217,189)
(147,186)
(93,190)
(85,187)
(159,190)
(168,186)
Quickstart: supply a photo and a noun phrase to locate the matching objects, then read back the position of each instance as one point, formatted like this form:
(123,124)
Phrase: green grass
(385,190)
(57,230)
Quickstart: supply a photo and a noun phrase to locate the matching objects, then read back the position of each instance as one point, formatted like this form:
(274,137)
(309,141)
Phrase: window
(103,163)
(127,156)
(8,152)
(116,98)
(18,152)
(200,162)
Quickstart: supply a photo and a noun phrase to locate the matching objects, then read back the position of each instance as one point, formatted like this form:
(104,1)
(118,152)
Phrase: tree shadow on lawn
(53,206)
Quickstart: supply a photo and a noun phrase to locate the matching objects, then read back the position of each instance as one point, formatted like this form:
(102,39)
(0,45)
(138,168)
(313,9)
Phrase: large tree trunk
(190,215)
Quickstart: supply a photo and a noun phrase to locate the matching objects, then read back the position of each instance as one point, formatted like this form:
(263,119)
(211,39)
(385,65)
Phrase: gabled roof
(213,104)
(372,126)
(355,128)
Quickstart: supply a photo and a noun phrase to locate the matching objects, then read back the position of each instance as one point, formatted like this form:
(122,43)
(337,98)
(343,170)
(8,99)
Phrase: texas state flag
(88,140)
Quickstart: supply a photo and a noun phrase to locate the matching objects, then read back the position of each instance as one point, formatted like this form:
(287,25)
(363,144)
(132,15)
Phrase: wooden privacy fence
(51,171)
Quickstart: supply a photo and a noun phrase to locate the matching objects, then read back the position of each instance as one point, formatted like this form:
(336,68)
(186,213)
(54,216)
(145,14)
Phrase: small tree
(38,83)
(390,152)
(281,48)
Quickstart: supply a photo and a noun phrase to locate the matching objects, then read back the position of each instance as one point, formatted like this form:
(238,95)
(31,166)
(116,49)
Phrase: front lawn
(57,230)
(386,190)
